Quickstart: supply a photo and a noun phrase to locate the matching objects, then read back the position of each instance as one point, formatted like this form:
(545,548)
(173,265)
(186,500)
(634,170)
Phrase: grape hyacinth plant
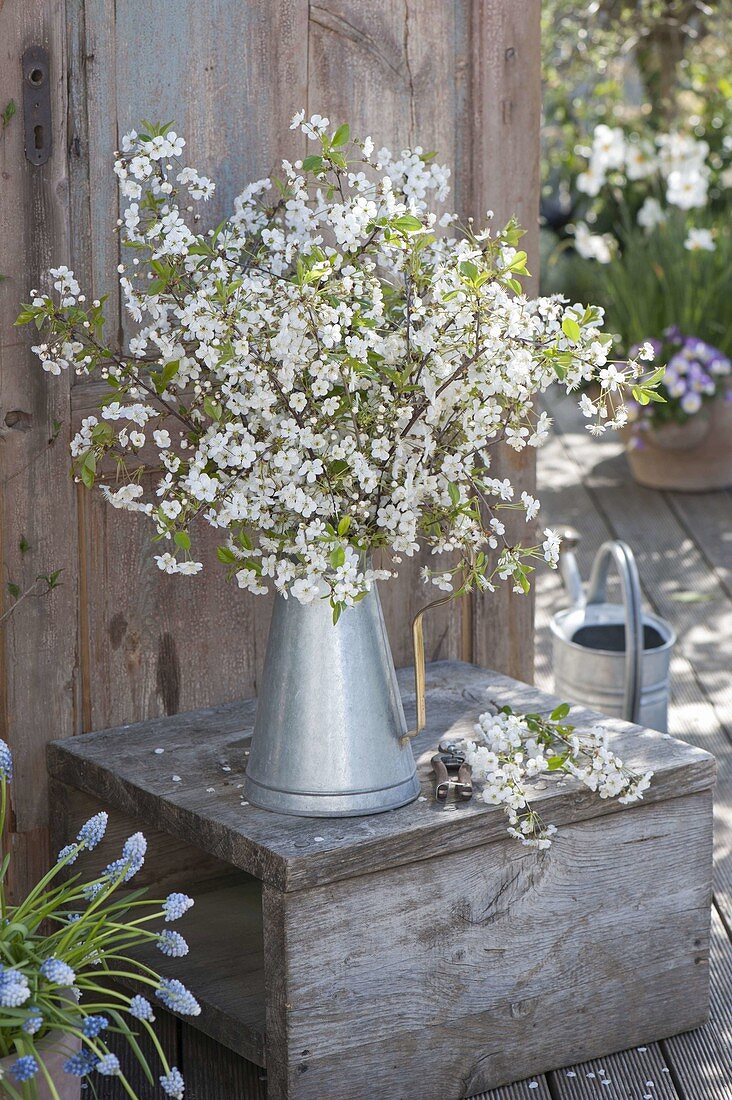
(60,950)
(323,375)
(695,373)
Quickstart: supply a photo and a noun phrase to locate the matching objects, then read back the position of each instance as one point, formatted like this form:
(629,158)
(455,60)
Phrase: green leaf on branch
(182,540)
(344,525)
(560,712)
(407,223)
(571,329)
(337,557)
(469,270)
(226,555)
(88,468)
(341,136)
(212,408)
(166,376)
(313,164)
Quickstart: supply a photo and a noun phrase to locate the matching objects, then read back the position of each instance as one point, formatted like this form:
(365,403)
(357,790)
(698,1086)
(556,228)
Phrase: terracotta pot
(691,457)
(55,1048)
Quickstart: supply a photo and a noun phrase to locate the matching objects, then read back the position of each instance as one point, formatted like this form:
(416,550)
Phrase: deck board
(683,545)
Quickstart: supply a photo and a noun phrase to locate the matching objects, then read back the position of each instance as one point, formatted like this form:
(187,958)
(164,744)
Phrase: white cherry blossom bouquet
(62,947)
(325,374)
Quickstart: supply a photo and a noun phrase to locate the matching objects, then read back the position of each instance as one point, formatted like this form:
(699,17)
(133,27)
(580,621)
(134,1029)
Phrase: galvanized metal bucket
(329,728)
(612,657)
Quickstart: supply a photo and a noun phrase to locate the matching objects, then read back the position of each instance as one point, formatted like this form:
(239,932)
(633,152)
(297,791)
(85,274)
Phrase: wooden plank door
(121,641)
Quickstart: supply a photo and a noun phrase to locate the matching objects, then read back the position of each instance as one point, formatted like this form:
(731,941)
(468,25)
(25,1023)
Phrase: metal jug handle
(622,555)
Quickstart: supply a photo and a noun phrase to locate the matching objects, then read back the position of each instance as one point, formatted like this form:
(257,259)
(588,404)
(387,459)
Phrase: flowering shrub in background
(59,948)
(647,176)
(664,263)
(512,750)
(637,139)
(323,375)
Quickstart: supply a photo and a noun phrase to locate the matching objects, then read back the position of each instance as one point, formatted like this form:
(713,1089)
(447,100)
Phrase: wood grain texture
(207,750)
(701,1060)
(139,656)
(214,1073)
(629,1073)
(485,951)
(535,1088)
(225,966)
(500,155)
(37,512)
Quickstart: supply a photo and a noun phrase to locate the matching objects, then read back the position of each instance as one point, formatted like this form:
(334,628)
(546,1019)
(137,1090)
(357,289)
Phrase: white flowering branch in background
(511,750)
(324,375)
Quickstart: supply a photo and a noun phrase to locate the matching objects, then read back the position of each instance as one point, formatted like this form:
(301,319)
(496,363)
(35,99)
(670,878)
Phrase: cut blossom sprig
(322,376)
(511,750)
(59,951)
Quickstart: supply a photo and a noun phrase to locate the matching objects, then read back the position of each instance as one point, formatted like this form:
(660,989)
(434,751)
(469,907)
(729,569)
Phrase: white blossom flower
(302,393)
(699,240)
(650,214)
(593,246)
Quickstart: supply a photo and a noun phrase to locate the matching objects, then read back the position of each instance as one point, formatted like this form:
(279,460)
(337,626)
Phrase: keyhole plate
(37,105)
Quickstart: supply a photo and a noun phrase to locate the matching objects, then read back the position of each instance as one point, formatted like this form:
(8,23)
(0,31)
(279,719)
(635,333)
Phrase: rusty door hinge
(36,105)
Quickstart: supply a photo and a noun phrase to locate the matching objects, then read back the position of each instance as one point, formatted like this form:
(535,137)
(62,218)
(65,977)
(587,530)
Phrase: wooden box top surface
(194,787)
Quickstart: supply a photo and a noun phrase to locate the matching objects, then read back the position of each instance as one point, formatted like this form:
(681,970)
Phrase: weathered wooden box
(361,957)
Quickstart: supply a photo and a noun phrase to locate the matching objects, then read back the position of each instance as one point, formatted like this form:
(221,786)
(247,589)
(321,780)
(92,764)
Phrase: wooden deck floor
(683,545)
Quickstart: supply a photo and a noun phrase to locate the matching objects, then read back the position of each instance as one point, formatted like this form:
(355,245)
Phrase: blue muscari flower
(133,852)
(175,905)
(78,1065)
(173,1084)
(14,990)
(25,1068)
(58,972)
(141,1008)
(176,997)
(172,944)
(6,761)
(92,831)
(34,1021)
(108,1065)
(72,918)
(122,869)
(71,851)
(93,1026)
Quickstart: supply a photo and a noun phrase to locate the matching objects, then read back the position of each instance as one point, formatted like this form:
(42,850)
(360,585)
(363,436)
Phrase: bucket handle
(622,555)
